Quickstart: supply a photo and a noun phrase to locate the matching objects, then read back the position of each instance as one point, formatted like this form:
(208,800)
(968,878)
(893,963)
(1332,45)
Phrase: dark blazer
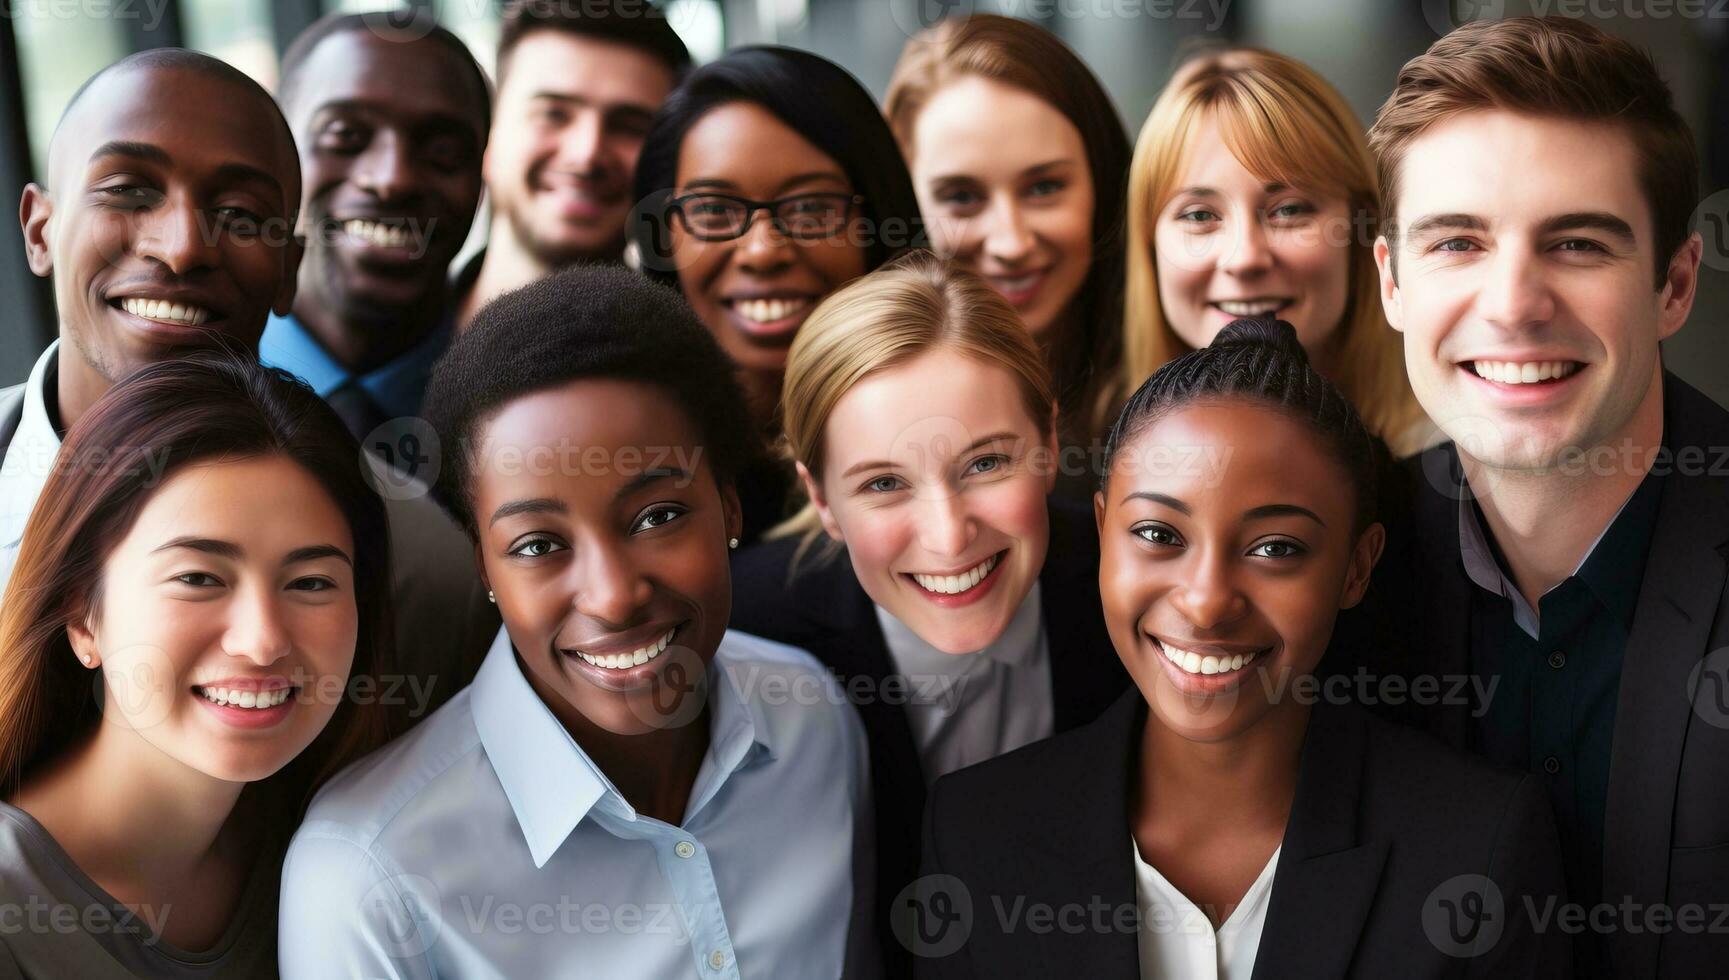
(823,609)
(1666,828)
(1384,821)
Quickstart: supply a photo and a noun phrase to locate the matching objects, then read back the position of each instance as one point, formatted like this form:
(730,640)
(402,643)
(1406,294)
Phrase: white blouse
(1178,941)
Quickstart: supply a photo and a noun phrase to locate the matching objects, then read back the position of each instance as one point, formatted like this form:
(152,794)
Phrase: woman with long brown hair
(202,582)
(1019,162)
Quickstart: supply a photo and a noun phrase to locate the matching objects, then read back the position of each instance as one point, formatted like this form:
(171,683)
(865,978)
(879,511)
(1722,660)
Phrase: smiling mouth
(1259,306)
(162,311)
(1522,372)
(957,584)
(772,310)
(1190,662)
(257,700)
(377,233)
(635,658)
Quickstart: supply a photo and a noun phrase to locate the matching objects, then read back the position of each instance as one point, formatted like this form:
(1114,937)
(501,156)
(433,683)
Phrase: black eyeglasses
(723,217)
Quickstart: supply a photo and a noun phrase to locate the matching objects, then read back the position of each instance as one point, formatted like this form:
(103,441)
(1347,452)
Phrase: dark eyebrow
(530,505)
(647,477)
(1601,221)
(315,552)
(1159,498)
(884,464)
(210,546)
(572,99)
(1281,510)
(726,185)
(132,148)
(1445,222)
(230,172)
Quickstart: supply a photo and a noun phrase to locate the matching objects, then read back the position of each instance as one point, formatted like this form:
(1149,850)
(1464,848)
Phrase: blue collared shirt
(396,386)
(486,843)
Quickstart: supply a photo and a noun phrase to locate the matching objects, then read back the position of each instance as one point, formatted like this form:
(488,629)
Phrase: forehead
(1228,456)
(927,409)
(562,63)
(413,78)
(202,122)
(576,432)
(1513,170)
(979,124)
(267,504)
(744,143)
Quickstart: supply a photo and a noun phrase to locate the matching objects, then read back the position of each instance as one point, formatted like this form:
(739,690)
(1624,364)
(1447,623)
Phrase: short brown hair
(1547,66)
(640,25)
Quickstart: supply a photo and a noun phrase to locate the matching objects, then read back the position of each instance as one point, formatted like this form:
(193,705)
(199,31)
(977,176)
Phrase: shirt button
(1551,765)
(1557,660)
(717,959)
(684,848)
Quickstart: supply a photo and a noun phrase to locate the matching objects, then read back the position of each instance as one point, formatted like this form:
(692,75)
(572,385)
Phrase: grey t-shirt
(56,923)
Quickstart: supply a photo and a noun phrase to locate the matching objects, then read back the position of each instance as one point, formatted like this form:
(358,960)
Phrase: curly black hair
(1259,359)
(588,321)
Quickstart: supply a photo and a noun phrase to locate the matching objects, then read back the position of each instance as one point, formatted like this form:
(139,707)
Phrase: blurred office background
(48,47)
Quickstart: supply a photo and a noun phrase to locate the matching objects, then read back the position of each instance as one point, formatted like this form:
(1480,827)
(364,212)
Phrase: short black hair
(185,59)
(403,26)
(588,321)
(814,97)
(1260,360)
(640,25)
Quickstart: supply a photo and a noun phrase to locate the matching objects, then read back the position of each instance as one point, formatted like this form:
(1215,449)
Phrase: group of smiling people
(927,540)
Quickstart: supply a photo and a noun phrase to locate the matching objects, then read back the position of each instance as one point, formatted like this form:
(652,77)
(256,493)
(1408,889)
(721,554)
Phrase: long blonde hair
(1286,124)
(910,307)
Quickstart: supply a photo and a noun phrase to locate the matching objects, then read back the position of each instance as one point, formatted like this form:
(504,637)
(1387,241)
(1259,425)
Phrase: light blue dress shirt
(397,387)
(486,843)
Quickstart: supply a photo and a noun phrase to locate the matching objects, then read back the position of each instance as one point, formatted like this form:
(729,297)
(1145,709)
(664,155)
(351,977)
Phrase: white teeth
(374,233)
(1016,283)
(1253,307)
(619,661)
(955,584)
(1523,372)
(769,310)
(1194,663)
(245,699)
(160,309)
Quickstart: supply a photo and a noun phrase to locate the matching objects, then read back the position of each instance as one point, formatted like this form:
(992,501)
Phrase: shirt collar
(1017,646)
(396,386)
(30,457)
(552,784)
(1612,567)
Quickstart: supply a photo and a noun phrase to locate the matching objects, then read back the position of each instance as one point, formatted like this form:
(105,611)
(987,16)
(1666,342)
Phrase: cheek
(838,263)
(327,636)
(874,539)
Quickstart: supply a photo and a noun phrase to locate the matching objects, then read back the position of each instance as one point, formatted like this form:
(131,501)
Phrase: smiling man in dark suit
(1565,551)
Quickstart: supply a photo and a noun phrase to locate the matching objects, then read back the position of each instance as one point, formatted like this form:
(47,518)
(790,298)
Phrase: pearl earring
(732,542)
(491,598)
(85,657)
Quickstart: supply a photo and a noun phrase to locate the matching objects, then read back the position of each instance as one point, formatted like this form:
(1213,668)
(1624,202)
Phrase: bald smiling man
(167,224)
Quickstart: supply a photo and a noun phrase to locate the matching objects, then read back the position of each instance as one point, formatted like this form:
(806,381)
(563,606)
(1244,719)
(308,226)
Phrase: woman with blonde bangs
(963,620)
(1018,159)
(1252,193)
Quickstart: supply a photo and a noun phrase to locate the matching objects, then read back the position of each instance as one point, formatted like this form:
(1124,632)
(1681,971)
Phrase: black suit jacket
(1384,822)
(823,609)
(1666,828)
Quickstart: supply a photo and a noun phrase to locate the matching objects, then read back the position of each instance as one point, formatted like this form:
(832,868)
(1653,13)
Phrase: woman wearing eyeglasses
(774,181)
